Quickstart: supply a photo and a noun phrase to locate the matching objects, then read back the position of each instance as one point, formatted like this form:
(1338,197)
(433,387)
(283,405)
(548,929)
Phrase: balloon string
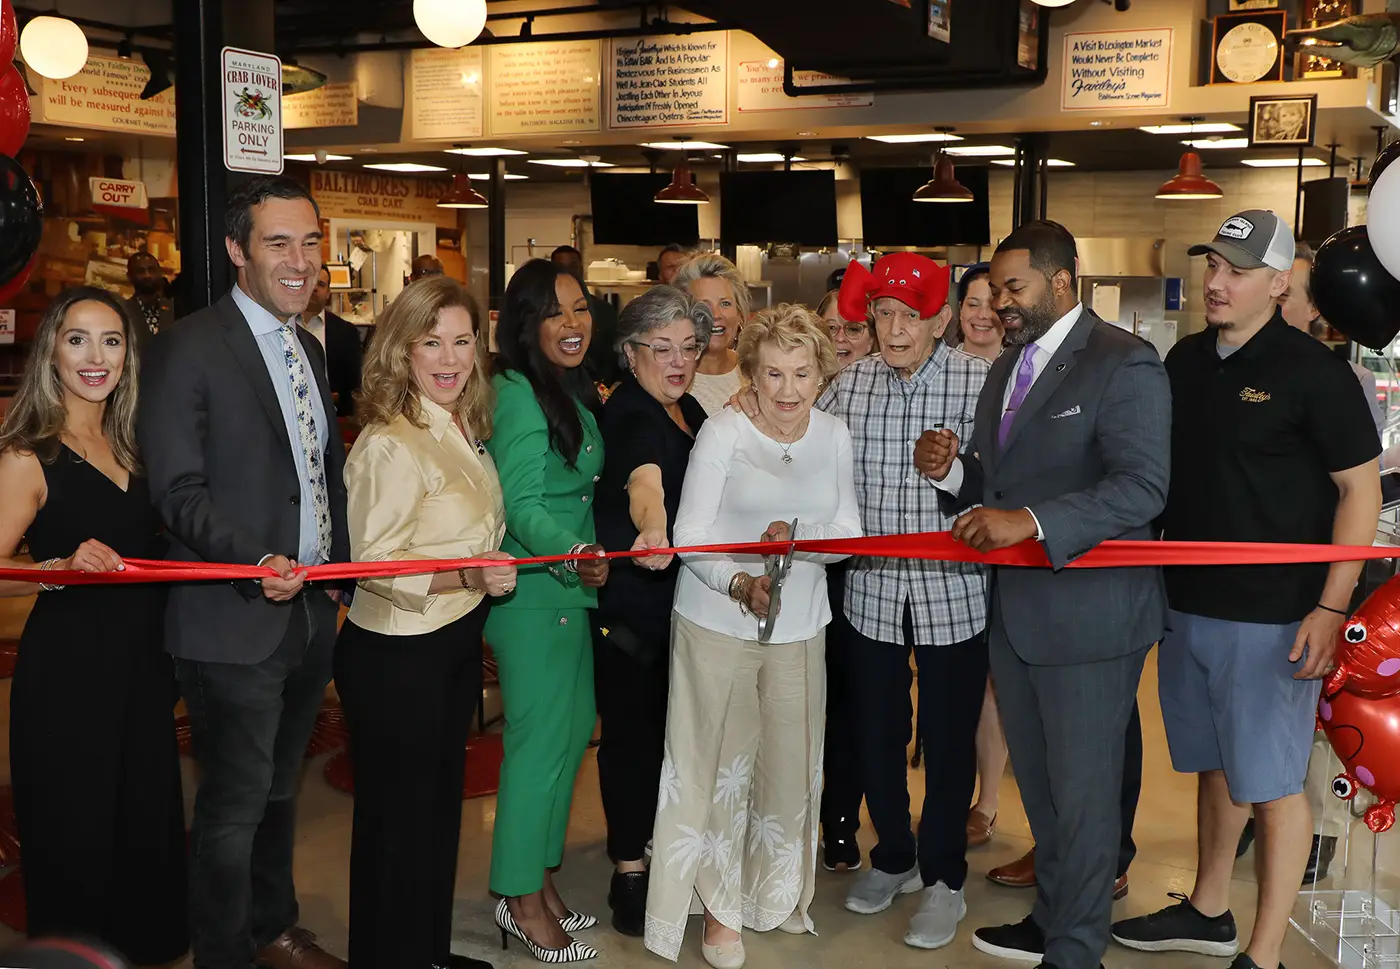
(925,546)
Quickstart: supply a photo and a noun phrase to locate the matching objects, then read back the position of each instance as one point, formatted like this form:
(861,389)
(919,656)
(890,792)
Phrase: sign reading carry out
(117,193)
(252,97)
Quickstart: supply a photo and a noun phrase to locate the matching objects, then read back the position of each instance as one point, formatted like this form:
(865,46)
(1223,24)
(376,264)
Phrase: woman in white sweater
(737,818)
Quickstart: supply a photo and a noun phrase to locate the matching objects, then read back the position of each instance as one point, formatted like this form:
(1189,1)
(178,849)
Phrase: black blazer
(344,357)
(223,477)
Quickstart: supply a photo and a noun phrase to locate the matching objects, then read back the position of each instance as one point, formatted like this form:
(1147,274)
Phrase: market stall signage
(445,93)
(669,82)
(761,89)
(105,96)
(1124,70)
(252,100)
(117,193)
(7,326)
(545,87)
(381,198)
(329,106)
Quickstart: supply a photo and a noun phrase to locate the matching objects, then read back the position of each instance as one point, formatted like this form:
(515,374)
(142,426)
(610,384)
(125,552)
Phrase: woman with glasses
(648,427)
(714,280)
(853,340)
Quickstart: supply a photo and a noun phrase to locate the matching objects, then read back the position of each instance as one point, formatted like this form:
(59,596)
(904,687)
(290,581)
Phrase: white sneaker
(936,922)
(875,890)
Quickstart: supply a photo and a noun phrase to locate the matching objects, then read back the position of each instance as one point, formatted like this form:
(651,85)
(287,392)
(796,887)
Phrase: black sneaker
(1243,961)
(627,897)
(1179,928)
(841,854)
(1023,941)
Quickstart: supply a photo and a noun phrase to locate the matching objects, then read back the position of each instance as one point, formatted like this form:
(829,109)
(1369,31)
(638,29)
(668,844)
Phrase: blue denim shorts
(1230,703)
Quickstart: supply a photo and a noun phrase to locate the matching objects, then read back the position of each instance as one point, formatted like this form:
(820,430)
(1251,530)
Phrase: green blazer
(549,506)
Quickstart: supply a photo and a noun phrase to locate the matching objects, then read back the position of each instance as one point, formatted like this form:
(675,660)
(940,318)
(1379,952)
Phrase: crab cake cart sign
(252,85)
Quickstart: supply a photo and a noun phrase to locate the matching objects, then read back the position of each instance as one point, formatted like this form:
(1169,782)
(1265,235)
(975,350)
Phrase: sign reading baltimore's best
(1107,70)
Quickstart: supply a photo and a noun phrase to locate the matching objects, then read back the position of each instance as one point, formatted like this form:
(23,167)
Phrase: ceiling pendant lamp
(54,46)
(682,190)
(462,196)
(944,187)
(450,23)
(1188,183)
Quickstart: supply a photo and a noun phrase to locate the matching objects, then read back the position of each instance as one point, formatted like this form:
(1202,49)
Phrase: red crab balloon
(1365,734)
(1368,655)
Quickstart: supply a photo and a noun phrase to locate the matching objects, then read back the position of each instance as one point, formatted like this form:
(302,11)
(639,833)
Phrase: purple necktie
(1025,374)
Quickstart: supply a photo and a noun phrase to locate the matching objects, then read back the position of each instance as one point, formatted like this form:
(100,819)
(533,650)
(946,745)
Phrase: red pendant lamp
(462,196)
(682,190)
(944,187)
(1189,183)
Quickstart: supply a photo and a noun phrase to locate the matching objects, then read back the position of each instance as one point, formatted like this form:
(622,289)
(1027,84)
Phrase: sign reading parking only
(252,93)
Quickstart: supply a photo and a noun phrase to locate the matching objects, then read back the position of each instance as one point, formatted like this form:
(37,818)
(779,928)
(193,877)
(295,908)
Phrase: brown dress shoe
(1018,874)
(296,948)
(1120,887)
(979,828)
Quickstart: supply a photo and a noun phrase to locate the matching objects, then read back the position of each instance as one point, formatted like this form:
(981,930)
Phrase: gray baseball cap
(1252,239)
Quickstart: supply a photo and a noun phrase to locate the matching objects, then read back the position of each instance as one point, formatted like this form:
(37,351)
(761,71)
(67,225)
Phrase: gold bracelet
(462,575)
(736,586)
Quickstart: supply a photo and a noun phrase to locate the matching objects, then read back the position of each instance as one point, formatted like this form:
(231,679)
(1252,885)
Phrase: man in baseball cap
(1272,441)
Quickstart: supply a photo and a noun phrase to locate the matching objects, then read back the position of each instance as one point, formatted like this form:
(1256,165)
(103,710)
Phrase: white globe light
(450,23)
(53,46)
(1052,3)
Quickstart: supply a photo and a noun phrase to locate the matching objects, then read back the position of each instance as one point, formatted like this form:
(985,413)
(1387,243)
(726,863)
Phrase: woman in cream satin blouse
(408,661)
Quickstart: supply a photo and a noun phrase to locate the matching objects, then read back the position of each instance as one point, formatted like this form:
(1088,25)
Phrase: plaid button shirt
(886,415)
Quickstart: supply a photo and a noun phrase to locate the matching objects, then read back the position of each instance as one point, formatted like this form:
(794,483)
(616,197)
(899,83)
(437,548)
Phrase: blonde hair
(38,415)
(790,326)
(387,390)
(711,265)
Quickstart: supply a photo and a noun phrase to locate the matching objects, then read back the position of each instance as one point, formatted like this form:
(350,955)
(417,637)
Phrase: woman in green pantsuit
(549,454)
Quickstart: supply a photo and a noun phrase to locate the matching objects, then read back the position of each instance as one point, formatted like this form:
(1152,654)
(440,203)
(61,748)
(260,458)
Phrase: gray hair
(661,306)
(712,265)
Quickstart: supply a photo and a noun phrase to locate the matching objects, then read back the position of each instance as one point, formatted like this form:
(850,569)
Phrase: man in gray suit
(1071,449)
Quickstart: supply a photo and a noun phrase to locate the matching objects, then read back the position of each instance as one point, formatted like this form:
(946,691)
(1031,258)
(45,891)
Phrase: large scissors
(777,570)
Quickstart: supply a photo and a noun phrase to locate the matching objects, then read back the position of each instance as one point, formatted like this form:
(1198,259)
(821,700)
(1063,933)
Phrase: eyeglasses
(666,353)
(854,331)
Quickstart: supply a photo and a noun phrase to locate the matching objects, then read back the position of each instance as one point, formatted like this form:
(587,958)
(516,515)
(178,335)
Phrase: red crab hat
(916,281)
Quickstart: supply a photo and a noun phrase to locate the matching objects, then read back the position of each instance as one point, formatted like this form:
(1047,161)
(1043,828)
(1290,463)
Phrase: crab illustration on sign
(253,105)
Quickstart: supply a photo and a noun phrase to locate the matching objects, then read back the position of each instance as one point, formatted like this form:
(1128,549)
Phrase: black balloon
(61,953)
(1353,291)
(1384,157)
(21,219)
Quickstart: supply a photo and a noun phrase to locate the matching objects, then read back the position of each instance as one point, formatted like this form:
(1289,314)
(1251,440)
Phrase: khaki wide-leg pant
(741,780)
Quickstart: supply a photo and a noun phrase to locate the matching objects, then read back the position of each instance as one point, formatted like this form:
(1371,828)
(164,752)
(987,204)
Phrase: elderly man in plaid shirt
(936,609)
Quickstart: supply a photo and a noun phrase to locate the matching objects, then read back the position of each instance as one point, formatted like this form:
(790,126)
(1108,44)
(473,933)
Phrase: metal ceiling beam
(651,30)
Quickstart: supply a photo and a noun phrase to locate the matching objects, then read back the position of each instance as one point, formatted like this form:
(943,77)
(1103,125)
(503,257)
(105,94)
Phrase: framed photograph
(1282,122)
(1253,5)
(938,27)
(340,275)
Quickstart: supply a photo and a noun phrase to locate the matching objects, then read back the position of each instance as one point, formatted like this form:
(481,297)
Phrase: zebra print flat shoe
(573,952)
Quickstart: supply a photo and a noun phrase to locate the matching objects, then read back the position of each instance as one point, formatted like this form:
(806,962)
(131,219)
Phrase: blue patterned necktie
(306,431)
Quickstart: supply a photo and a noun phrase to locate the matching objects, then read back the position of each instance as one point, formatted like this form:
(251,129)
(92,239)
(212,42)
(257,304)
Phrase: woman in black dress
(648,426)
(93,756)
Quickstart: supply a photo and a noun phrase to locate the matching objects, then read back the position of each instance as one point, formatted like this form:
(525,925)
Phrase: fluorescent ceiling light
(683,145)
(1283,162)
(405,167)
(482,177)
(914,139)
(1199,128)
(1217,143)
(570,163)
(485,152)
(1053,162)
(311,157)
(980,151)
(765,156)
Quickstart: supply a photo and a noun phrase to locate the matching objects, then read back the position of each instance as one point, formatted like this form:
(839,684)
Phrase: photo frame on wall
(939,27)
(340,275)
(1282,121)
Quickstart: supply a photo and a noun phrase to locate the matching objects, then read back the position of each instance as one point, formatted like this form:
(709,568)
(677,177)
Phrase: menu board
(445,92)
(761,89)
(668,82)
(329,106)
(106,95)
(545,87)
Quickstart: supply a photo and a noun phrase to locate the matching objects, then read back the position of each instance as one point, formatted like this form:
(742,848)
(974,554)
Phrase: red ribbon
(935,546)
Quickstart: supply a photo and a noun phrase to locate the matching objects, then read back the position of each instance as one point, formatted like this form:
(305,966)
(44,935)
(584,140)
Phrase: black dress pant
(952,681)
(1132,788)
(842,791)
(409,702)
(632,688)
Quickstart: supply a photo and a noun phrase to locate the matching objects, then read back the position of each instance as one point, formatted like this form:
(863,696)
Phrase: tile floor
(1166,856)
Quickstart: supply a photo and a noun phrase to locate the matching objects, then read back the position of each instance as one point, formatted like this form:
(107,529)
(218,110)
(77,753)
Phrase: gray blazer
(223,478)
(1089,454)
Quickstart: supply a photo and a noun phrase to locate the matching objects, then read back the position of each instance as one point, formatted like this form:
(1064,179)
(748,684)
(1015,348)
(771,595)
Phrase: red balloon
(12,288)
(9,33)
(1366,736)
(14,112)
(1368,651)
